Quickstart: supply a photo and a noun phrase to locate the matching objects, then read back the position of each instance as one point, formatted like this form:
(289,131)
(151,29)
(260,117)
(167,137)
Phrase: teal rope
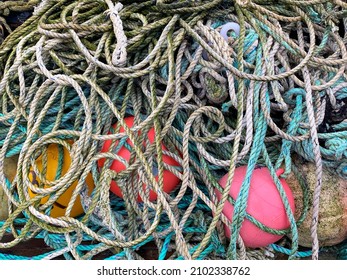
(333,151)
(286,251)
(342,251)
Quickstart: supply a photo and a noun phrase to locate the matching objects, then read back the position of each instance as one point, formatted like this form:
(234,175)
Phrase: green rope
(76,67)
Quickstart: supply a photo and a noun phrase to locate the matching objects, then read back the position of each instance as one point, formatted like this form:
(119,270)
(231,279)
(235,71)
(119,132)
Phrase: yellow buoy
(52,174)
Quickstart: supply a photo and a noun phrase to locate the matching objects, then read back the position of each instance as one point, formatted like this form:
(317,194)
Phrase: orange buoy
(170,181)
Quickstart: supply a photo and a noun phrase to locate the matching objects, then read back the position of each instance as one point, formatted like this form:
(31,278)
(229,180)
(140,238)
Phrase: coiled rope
(76,67)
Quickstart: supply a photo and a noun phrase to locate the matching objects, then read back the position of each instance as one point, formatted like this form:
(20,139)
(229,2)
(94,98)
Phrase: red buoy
(170,181)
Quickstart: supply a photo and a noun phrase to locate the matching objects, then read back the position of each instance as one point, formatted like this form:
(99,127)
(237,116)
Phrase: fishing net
(208,86)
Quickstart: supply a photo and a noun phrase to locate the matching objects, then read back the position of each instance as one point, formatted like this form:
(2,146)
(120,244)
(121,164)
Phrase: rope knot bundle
(119,54)
(243,3)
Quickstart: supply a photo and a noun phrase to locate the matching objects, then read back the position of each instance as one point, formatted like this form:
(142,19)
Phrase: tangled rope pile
(73,69)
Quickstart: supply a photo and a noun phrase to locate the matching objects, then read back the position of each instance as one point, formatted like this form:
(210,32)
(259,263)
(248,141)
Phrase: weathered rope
(275,87)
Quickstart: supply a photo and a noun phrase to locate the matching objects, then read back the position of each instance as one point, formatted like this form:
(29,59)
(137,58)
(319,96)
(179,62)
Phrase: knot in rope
(119,55)
(243,3)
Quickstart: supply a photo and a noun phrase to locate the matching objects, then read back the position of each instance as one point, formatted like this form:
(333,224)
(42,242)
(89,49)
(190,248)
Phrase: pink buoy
(264,204)
(170,181)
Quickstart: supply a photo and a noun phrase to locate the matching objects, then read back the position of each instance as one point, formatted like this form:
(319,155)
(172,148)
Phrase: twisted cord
(72,70)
